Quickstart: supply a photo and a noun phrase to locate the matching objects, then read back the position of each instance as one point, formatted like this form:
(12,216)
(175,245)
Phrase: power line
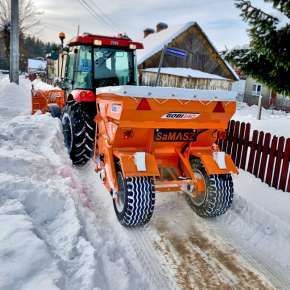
(97,15)
(103,14)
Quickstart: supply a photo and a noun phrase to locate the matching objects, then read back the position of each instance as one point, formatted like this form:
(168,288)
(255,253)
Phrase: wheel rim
(200,198)
(67,131)
(120,200)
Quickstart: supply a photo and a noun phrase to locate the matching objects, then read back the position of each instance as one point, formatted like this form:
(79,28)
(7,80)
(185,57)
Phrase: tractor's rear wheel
(218,195)
(78,131)
(134,203)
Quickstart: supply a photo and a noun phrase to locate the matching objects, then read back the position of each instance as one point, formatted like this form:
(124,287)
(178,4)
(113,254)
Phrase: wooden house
(201,56)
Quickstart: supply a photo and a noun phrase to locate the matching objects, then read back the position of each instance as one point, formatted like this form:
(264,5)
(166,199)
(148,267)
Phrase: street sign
(54,55)
(176,52)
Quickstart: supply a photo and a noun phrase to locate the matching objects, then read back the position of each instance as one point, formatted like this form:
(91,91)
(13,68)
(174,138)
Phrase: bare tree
(29,18)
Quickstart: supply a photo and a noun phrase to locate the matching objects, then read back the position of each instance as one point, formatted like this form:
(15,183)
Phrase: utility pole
(14,42)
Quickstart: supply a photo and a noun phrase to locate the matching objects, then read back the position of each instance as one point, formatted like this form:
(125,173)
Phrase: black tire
(138,200)
(218,195)
(79,132)
(54,110)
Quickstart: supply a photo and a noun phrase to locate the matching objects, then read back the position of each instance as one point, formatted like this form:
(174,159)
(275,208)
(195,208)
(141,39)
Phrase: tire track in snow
(199,263)
(133,246)
(198,257)
(176,250)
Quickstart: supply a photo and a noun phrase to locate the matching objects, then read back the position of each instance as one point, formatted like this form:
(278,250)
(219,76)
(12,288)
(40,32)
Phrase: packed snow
(59,230)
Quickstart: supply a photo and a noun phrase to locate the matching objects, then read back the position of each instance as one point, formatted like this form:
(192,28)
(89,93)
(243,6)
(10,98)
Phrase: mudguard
(129,164)
(212,167)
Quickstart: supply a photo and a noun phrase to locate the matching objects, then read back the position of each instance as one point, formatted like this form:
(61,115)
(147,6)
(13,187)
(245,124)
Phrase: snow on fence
(265,156)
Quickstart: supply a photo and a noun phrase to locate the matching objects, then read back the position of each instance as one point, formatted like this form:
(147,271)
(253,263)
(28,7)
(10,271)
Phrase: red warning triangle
(144,105)
(219,108)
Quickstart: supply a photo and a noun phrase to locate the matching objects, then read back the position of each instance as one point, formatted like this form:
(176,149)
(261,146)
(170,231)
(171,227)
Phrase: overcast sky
(218,18)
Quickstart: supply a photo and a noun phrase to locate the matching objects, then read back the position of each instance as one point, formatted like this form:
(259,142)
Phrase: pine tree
(268,57)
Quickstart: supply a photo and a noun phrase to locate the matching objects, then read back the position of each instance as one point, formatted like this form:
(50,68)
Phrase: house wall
(202,57)
(167,80)
(282,102)
(252,99)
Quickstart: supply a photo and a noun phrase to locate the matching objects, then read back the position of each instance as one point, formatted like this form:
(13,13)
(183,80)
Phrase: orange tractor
(144,140)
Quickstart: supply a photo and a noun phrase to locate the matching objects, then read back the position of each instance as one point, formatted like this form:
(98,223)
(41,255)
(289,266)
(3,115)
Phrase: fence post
(260,107)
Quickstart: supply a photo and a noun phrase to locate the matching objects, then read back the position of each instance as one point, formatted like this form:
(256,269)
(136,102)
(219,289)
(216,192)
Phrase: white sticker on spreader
(116,108)
(180,116)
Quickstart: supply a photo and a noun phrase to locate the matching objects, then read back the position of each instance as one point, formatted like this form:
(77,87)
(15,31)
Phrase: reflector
(219,108)
(144,105)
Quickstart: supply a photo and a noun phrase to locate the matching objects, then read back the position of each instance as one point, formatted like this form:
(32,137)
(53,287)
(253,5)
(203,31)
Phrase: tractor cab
(96,61)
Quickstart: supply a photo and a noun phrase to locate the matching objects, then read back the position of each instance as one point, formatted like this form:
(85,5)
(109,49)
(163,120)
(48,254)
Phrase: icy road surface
(59,230)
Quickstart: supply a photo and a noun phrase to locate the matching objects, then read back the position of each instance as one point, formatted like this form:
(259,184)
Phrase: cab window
(83,71)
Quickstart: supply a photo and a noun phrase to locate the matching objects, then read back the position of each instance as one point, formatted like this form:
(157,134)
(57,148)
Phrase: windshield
(113,67)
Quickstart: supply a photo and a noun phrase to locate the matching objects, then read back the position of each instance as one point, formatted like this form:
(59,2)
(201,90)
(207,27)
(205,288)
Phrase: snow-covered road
(59,230)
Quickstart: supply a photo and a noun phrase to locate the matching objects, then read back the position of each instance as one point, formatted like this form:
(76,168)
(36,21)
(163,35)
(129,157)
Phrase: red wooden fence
(266,157)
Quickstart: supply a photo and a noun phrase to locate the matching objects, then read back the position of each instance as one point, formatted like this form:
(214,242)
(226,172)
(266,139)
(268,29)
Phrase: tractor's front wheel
(134,203)
(217,196)
(78,131)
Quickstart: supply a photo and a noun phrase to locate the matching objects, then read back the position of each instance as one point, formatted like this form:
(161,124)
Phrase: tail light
(219,108)
(144,105)
(222,135)
(84,96)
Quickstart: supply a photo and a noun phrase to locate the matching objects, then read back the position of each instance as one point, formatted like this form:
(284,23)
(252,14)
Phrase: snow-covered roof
(169,93)
(231,69)
(185,72)
(156,41)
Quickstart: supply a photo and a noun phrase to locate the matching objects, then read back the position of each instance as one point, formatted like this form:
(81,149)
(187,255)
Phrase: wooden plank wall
(265,156)
(167,80)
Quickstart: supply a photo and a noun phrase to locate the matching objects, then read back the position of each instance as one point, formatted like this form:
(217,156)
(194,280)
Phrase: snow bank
(14,99)
(273,121)
(41,240)
(41,244)
(50,237)
(40,85)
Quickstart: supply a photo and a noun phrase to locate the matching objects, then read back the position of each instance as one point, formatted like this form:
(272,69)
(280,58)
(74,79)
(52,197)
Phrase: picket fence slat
(230,135)
(240,144)
(270,169)
(235,140)
(278,162)
(245,146)
(252,151)
(258,153)
(285,166)
(262,155)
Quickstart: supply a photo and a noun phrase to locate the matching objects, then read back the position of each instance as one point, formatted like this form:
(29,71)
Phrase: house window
(257,89)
